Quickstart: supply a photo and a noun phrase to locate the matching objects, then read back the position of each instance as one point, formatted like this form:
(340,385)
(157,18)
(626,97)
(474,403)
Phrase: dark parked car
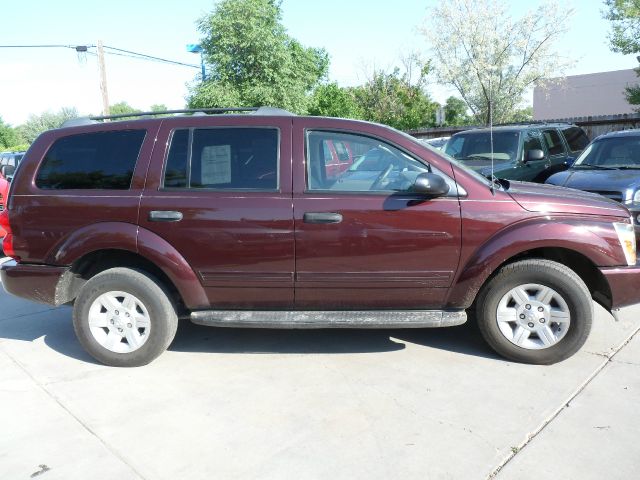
(9,162)
(529,152)
(241,220)
(609,166)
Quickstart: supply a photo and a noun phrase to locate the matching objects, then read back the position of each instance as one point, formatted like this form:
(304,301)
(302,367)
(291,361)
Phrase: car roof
(517,127)
(621,133)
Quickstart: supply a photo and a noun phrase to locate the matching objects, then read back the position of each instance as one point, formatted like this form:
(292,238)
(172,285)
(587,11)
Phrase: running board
(334,319)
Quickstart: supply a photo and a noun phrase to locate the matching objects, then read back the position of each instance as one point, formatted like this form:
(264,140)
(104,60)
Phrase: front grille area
(617,196)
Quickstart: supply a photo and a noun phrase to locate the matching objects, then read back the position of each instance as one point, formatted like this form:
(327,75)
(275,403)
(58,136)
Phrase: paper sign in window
(216,164)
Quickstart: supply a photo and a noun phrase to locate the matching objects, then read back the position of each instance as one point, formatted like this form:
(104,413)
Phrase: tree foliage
(625,25)
(625,35)
(455,112)
(398,99)
(492,59)
(36,124)
(331,100)
(9,136)
(252,61)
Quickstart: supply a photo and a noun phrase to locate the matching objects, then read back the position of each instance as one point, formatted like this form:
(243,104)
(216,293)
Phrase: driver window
(353,163)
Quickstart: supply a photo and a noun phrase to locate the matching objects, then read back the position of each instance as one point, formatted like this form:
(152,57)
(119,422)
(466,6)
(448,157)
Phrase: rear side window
(554,142)
(103,160)
(576,138)
(223,159)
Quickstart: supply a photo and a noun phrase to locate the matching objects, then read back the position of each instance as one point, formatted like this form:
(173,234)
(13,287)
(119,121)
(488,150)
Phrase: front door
(223,200)
(363,241)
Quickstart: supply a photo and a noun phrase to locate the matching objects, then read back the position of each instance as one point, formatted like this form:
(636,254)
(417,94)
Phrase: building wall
(584,95)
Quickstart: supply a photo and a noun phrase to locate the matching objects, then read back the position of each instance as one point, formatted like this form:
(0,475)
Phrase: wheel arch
(544,242)
(145,251)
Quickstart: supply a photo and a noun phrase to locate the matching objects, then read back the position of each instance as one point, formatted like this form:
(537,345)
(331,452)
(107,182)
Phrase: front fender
(595,240)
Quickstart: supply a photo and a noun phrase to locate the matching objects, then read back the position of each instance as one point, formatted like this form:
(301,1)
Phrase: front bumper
(624,283)
(37,283)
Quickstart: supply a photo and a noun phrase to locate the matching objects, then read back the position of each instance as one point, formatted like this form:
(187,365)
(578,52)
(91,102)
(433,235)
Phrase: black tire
(157,301)
(546,273)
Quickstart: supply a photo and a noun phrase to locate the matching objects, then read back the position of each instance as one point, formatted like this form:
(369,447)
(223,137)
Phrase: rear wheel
(535,311)
(124,318)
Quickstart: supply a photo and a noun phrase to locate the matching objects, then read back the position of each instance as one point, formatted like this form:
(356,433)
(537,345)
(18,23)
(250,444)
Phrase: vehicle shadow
(56,329)
(464,339)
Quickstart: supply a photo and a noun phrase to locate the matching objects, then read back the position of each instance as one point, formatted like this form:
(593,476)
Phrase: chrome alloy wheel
(119,322)
(533,316)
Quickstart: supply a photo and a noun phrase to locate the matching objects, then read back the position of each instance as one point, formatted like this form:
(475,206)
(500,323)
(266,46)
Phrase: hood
(598,180)
(483,165)
(552,199)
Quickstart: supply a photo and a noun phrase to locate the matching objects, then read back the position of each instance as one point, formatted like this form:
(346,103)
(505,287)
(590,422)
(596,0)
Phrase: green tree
(9,136)
(36,124)
(455,112)
(625,35)
(252,61)
(159,107)
(122,108)
(331,100)
(492,59)
(396,99)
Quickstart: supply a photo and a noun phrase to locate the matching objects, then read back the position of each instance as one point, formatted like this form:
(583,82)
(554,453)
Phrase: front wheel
(124,318)
(535,311)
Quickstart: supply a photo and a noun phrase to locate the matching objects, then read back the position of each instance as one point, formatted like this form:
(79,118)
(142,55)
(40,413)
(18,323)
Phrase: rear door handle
(164,216)
(317,217)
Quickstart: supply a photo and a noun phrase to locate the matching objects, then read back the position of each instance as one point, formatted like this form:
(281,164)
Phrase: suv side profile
(241,221)
(526,152)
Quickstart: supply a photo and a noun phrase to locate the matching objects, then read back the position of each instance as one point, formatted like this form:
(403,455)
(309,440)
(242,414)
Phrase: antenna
(493,178)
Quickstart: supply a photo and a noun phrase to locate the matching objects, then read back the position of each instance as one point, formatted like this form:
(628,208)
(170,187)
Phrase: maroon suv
(240,220)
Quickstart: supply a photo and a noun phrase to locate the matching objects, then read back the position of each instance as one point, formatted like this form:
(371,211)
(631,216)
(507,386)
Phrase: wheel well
(583,266)
(93,263)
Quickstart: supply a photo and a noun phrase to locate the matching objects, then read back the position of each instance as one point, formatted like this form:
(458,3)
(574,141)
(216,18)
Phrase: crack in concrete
(518,449)
(51,395)
(28,314)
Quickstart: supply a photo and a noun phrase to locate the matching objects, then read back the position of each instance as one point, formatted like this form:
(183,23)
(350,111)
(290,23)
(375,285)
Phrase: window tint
(374,166)
(175,174)
(223,158)
(474,148)
(532,142)
(554,142)
(103,160)
(576,138)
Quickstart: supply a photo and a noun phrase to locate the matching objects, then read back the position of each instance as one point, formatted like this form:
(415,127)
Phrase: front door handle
(317,217)
(164,216)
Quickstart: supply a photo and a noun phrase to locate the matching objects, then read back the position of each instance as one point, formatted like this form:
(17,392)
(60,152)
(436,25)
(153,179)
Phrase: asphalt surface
(238,404)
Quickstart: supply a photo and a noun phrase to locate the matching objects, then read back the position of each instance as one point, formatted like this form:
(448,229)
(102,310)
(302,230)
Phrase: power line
(124,53)
(150,57)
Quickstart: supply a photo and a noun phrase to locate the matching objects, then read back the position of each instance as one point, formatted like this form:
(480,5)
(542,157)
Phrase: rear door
(363,241)
(221,196)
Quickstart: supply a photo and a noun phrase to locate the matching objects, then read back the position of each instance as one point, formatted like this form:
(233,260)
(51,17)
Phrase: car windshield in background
(611,153)
(474,149)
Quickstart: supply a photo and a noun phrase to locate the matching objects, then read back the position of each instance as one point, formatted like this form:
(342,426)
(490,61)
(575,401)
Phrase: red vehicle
(4,193)
(237,220)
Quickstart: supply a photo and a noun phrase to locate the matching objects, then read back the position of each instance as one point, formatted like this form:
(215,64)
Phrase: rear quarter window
(576,138)
(101,160)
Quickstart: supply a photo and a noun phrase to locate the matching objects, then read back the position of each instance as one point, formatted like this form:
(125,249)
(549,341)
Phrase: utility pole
(103,78)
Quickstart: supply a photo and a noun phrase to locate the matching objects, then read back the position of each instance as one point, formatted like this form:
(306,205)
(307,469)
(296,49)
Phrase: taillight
(7,242)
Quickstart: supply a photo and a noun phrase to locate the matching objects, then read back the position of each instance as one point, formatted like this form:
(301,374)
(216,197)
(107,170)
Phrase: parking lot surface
(344,404)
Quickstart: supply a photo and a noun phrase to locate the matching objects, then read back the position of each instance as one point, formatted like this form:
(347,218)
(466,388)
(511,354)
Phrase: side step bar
(333,319)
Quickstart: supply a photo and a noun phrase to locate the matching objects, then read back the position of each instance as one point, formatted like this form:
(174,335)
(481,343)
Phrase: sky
(359,35)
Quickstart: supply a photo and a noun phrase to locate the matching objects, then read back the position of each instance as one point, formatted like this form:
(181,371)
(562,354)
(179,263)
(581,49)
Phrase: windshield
(615,152)
(474,148)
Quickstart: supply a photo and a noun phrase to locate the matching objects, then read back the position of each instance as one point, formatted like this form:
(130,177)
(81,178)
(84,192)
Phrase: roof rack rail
(531,122)
(171,112)
(76,122)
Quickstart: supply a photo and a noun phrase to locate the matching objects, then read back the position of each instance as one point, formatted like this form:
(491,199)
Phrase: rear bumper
(624,283)
(37,283)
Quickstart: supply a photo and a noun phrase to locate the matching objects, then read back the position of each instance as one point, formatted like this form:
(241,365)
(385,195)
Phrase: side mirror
(430,184)
(533,155)
(8,170)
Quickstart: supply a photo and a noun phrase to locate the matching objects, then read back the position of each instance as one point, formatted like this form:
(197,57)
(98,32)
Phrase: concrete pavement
(236,404)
